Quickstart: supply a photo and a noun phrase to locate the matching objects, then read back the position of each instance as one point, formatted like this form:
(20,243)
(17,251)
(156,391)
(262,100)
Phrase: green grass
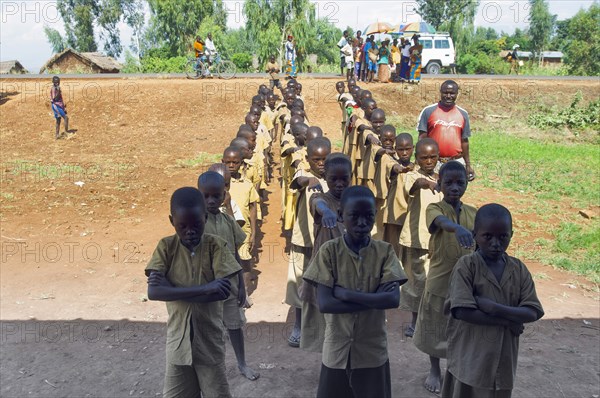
(202,158)
(548,170)
(577,248)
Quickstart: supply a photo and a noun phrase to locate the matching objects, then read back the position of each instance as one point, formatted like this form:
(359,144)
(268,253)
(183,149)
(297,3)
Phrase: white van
(438,52)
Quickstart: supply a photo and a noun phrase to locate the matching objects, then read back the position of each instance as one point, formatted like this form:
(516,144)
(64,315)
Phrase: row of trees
(172,25)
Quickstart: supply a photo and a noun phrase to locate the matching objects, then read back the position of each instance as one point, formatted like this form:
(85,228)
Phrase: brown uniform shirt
(479,355)
(244,193)
(210,260)
(303,232)
(444,250)
(363,333)
(415,232)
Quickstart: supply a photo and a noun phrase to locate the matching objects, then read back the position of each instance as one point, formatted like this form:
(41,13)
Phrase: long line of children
(344,267)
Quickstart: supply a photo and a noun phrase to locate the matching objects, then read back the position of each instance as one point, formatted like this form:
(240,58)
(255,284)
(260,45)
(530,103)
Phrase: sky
(22,21)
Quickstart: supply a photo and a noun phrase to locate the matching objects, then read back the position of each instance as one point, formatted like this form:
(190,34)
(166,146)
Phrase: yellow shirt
(363,333)
(397,202)
(415,232)
(396,55)
(199,48)
(243,192)
(479,355)
(210,260)
(275,66)
(382,176)
(444,250)
(303,232)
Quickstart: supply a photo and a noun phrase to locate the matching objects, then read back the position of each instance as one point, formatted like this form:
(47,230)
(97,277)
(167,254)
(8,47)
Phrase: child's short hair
(211,177)
(355,192)
(298,127)
(337,159)
(403,137)
(377,112)
(239,142)
(232,149)
(187,198)
(491,211)
(320,142)
(388,128)
(314,131)
(424,142)
(367,102)
(452,165)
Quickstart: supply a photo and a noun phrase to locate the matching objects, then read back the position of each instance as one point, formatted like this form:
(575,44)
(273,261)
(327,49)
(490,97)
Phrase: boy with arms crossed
(191,272)
(357,279)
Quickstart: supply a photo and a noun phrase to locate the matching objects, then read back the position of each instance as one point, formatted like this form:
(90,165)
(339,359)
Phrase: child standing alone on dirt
(191,271)
(212,186)
(58,106)
(357,279)
(490,296)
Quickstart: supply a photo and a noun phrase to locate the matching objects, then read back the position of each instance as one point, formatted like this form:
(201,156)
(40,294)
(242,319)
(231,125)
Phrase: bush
(574,116)
(163,65)
(481,63)
(243,61)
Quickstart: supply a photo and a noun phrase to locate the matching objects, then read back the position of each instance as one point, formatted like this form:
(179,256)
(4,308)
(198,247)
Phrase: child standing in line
(491,296)
(212,186)
(357,279)
(342,98)
(421,189)
(397,201)
(372,150)
(324,208)
(191,271)
(450,224)
(245,195)
(305,184)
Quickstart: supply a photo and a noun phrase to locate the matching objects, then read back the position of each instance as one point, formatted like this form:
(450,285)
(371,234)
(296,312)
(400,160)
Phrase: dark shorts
(355,383)
(342,61)
(59,111)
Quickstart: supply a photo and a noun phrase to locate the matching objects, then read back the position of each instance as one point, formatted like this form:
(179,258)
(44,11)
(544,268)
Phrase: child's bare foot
(248,373)
(433,382)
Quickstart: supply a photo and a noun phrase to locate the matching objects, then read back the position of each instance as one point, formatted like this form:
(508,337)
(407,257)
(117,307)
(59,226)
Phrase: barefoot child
(192,271)
(58,105)
(305,183)
(397,201)
(357,279)
(212,187)
(420,187)
(491,296)
(324,208)
(245,195)
(450,224)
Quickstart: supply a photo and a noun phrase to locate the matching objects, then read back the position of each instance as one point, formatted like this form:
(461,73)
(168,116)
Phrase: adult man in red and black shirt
(448,124)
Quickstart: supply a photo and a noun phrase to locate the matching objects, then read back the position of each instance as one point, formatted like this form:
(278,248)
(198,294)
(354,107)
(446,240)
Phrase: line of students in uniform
(344,269)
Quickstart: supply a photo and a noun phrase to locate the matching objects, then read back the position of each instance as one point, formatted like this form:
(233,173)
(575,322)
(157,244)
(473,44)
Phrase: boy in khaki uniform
(342,98)
(450,224)
(355,112)
(491,296)
(245,195)
(191,271)
(372,151)
(397,201)
(304,183)
(324,208)
(292,155)
(357,279)
(360,137)
(212,186)
(420,187)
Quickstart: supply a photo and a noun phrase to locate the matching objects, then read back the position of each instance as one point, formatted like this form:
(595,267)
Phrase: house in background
(13,67)
(549,58)
(71,61)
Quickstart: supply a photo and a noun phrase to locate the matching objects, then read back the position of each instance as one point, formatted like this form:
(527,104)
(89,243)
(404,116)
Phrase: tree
(270,21)
(541,26)
(173,24)
(55,39)
(454,16)
(579,39)
(81,16)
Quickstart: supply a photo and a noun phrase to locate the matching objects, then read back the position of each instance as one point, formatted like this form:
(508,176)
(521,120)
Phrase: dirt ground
(81,216)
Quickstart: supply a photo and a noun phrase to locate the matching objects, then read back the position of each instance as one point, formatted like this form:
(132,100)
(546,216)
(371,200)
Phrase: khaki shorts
(183,381)
(233,314)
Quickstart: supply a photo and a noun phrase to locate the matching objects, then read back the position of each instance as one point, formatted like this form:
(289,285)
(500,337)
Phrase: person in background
(341,44)
(290,58)
(383,63)
(415,61)
(405,60)
(396,58)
